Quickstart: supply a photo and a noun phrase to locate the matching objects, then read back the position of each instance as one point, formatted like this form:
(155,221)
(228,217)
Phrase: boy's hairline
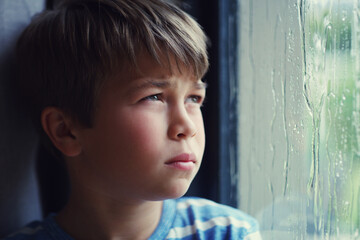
(164,59)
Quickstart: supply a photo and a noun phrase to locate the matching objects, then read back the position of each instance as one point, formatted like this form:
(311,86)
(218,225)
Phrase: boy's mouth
(184,161)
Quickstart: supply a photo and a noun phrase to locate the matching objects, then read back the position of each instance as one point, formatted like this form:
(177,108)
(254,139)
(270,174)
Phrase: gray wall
(19,198)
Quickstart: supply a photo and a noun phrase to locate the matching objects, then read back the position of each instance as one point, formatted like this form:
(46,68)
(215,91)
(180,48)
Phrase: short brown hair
(65,54)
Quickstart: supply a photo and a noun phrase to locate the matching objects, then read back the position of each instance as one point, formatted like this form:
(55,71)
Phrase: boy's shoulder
(205,218)
(183,218)
(33,230)
(39,230)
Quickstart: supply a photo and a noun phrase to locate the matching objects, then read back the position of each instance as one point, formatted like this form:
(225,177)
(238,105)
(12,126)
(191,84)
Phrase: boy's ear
(61,130)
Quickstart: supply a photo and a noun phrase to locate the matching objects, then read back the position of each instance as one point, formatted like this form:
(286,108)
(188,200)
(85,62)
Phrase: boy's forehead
(147,69)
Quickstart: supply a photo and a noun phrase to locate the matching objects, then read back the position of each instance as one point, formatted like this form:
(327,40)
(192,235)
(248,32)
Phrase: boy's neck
(104,218)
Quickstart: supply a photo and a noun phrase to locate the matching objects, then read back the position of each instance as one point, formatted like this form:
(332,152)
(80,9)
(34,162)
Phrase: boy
(115,89)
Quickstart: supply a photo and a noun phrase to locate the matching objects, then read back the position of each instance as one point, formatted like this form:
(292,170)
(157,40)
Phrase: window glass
(299,117)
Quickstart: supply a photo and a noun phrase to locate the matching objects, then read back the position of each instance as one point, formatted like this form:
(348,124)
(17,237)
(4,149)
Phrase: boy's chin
(176,190)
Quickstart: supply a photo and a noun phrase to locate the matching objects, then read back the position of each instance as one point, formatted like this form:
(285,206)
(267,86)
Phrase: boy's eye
(195,99)
(155,97)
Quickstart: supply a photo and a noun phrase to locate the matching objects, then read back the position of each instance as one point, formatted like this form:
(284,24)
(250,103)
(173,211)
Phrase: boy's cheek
(145,130)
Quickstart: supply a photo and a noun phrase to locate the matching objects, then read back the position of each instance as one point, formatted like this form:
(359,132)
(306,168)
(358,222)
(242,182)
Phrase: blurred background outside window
(298,167)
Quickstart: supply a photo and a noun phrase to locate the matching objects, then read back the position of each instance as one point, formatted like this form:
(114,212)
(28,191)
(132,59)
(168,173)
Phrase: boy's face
(148,137)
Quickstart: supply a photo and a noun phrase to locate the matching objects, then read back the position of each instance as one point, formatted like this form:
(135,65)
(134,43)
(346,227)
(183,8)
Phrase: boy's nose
(181,125)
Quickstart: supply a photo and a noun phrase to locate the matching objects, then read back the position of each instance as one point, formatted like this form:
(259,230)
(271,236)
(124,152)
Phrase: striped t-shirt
(184,218)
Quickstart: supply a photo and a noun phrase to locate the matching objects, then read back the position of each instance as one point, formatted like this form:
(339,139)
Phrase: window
(298,157)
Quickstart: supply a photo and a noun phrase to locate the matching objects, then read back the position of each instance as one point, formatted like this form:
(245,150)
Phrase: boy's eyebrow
(152,83)
(162,84)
